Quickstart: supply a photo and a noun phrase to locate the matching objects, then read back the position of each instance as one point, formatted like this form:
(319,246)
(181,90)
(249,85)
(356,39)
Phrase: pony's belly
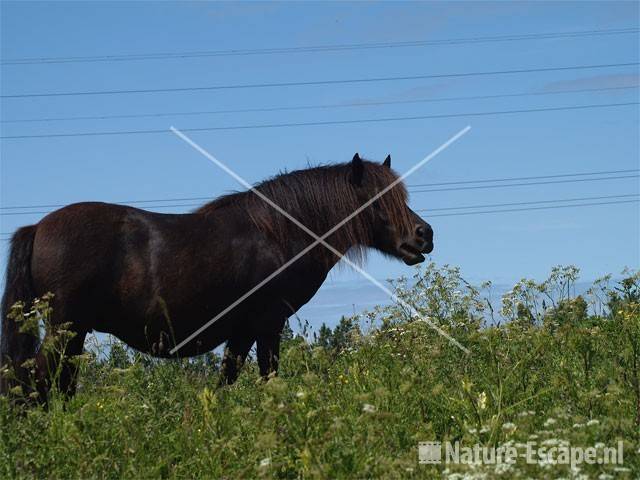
(156,337)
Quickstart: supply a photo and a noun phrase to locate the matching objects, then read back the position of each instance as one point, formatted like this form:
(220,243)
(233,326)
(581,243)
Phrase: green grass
(356,402)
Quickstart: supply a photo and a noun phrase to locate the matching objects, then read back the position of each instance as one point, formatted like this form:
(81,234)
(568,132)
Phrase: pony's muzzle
(412,249)
(424,234)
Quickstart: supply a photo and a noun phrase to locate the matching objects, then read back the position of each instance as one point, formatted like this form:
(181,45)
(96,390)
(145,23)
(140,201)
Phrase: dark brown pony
(152,279)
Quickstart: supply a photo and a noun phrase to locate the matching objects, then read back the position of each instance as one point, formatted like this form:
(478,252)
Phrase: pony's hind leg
(235,353)
(55,362)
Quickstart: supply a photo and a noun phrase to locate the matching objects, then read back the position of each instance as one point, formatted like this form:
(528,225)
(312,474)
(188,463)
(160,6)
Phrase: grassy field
(555,369)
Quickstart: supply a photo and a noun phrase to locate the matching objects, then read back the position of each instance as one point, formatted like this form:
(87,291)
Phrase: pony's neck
(351,238)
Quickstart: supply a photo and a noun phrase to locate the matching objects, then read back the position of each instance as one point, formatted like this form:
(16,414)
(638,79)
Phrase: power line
(158,206)
(580,199)
(615,202)
(322,82)
(534,208)
(121,202)
(510,179)
(319,48)
(319,123)
(315,107)
(550,182)
(190,199)
(44,212)
(422,210)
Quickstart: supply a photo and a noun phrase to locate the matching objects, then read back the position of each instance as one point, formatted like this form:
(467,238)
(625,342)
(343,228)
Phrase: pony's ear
(387,161)
(357,170)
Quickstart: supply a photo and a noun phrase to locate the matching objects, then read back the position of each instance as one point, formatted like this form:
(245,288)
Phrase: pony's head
(396,229)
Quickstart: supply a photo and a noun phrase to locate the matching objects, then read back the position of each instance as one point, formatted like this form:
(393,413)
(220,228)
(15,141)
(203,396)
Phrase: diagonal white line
(318,240)
(397,299)
(321,239)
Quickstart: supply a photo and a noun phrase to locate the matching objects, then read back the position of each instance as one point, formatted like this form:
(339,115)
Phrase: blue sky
(500,247)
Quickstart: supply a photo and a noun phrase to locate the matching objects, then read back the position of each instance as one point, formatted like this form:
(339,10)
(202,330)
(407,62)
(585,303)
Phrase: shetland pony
(152,279)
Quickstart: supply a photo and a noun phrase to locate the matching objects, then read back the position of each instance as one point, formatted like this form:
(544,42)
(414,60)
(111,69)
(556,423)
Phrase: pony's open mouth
(410,255)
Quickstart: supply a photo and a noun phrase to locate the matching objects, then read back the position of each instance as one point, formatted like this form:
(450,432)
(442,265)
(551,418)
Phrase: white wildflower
(503,468)
(265,462)
(509,427)
(482,401)
(368,408)
(592,422)
(549,421)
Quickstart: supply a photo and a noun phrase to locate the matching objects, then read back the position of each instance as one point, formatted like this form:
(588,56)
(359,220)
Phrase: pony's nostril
(421,231)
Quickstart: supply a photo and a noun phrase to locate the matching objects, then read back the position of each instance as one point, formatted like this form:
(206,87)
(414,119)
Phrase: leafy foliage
(354,402)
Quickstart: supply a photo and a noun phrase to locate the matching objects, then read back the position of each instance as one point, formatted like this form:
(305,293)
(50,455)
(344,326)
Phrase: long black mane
(320,197)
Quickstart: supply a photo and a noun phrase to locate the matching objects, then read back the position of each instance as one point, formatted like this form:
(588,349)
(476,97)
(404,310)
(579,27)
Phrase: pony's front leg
(268,346)
(235,353)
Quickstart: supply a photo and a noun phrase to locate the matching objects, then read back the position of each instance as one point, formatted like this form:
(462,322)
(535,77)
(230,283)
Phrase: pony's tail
(16,347)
